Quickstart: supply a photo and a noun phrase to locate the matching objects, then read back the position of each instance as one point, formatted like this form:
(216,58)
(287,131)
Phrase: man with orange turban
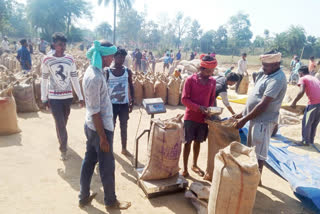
(198,94)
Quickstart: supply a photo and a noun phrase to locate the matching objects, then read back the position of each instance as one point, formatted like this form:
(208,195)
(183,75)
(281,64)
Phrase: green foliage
(104,31)
(6,9)
(239,29)
(49,16)
(19,24)
(194,35)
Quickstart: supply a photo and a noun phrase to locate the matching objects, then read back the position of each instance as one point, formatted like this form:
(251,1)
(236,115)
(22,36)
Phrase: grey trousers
(310,122)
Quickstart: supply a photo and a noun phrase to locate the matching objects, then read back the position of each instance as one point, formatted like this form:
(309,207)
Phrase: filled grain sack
(181,89)
(235,180)
(25,97)
(164,148)
(174,91)
(190,68)
(138,91)
(148,88)
(160,90)
(37,93)
(221,134)
(244,85)
(195,63)
(8,114)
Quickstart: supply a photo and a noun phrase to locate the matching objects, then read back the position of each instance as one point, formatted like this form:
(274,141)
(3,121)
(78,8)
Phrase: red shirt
(312,88)
(195,95)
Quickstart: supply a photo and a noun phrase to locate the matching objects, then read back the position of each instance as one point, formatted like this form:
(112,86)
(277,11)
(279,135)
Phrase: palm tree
(123,4)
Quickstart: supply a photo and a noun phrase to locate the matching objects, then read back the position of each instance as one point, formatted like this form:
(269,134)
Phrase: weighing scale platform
(161,187)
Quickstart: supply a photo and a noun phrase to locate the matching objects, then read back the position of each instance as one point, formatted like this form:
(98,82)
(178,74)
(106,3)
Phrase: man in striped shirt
(58,73)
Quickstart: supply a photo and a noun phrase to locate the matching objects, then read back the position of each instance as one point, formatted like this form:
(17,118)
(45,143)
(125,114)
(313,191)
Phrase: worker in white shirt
(5,45)
(242,68)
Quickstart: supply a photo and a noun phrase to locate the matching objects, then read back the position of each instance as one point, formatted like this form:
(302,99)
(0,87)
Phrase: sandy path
(33,179)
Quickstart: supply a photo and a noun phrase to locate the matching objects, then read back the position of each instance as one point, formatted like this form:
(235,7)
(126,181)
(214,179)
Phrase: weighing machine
(156,187)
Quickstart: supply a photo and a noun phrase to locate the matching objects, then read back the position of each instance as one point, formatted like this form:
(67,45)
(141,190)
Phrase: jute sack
(244,85)
(164,148)
(160,90)
(8,114)
(138,91)
(148,88)
(181,90)
(221,134)
(37,93)
(235,180)
(174,91)
(24,96)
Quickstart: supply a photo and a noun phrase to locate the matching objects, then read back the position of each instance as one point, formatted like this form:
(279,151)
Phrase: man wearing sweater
(58,76)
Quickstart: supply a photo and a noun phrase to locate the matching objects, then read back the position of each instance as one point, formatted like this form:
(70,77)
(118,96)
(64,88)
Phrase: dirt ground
(33,180)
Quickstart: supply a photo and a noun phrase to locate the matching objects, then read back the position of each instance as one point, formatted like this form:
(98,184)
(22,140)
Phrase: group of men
(296,64)
(142,61)
(262,108)
(107,94)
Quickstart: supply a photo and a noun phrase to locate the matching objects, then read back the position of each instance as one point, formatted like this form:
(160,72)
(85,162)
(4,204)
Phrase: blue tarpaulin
(301,171)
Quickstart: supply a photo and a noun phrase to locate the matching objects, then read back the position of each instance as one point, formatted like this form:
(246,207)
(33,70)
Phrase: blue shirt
(178,56)
(24,57)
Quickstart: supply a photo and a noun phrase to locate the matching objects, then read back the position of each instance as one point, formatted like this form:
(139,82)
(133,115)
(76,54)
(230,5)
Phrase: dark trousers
(60,110)
(106,166)
(310,122)
(238,83)
(122,110)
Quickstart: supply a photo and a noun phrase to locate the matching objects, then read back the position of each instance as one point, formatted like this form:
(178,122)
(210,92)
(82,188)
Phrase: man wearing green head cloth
(99,128)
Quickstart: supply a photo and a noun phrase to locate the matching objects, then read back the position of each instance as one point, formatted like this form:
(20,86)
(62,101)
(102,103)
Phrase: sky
(274,15)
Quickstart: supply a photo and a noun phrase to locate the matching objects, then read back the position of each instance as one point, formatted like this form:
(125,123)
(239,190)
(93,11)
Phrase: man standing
(263,105)
(58,72)
(222,88)
(99,127)
(43,46)
(294,78)
(30,46)
(24,56)
(121,92)
(195,128)
(178,56)
(138,57)
(242,69)
(311,86)
(312,66)
(5,45)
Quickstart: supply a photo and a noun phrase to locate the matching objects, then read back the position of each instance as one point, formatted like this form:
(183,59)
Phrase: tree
(195,34)
(19,25)
(150,35)
(206,41)
(296,39)
(56,16)
(239,28)
(6,7)
(104,30)
(181,25)
(129,26)
(266,33)
(258,42)
(123,4)
(220,40)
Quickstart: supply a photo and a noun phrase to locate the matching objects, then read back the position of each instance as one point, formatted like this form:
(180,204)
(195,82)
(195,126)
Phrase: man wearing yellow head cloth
(99,127)
(263,105)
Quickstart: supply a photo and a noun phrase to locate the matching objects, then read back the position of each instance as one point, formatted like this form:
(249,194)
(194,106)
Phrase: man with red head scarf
(198,94)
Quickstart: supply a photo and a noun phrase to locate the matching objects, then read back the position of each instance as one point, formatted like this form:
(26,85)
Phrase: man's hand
(46,105)
(239,123)
(81,104)
(293,105)
(203,109)
(237,116)
(104,145)
(130,106)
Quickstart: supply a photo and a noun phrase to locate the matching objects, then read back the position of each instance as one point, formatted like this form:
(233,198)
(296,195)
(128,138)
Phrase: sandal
(207,177)
(185,174)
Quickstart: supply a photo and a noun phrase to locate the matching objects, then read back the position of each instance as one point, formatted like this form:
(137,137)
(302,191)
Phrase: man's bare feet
(185,173)
(207,177)
(120,205)
(197,170)
(87,201)
(125,152)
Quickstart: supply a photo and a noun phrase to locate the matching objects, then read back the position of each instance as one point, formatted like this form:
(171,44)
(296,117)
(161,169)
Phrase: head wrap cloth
(270,58)
(208,64)
(96,52)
